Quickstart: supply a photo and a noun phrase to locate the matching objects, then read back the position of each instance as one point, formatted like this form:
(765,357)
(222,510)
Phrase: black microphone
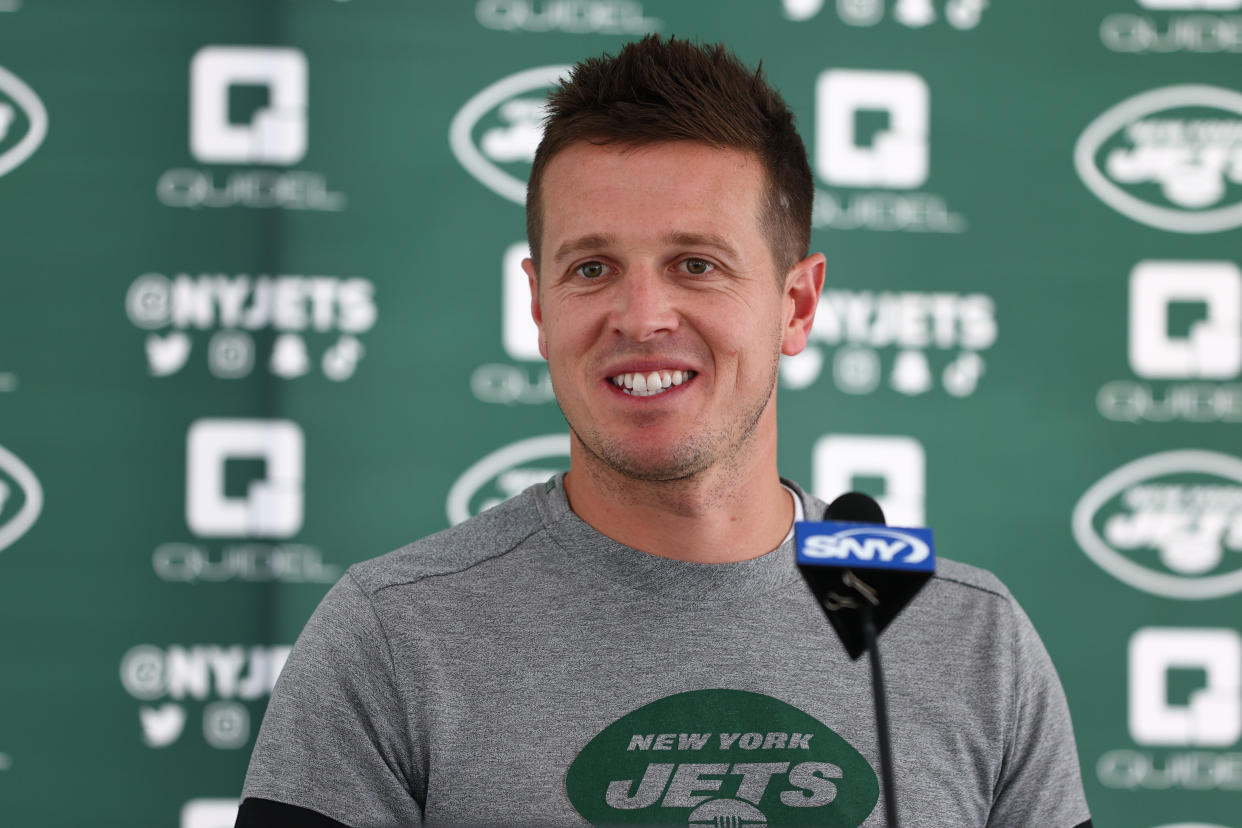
(862,574)
(854,563)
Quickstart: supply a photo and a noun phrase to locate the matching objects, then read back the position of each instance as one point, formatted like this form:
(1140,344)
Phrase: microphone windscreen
(855,507)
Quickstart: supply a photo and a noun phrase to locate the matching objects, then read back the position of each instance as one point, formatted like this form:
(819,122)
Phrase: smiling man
(630,642)
(663,311)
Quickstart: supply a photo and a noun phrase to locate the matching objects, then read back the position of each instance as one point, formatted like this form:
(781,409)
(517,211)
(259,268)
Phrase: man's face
(659,309)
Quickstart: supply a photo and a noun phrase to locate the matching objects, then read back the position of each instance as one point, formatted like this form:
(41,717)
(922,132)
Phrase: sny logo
(834,543)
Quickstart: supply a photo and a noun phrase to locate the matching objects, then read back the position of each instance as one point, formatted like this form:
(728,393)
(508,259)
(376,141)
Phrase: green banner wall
(262,316)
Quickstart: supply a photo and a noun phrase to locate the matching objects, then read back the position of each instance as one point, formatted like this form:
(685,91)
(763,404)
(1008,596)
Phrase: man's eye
(697,267)
(591,270)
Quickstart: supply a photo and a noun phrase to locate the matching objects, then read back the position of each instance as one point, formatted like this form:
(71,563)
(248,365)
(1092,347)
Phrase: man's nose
(644,305)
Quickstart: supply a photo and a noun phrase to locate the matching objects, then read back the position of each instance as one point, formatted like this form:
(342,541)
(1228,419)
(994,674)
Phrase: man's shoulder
(487,536)
(959,577)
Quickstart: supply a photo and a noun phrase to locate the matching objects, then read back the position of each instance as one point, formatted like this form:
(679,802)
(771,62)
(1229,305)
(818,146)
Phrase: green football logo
(721,758)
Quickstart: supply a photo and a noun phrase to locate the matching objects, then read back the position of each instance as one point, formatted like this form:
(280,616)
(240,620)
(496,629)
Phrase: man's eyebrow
(701,240)
(591,241)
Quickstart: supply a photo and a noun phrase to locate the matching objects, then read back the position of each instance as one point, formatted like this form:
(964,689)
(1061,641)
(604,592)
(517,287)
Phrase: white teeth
(654,382)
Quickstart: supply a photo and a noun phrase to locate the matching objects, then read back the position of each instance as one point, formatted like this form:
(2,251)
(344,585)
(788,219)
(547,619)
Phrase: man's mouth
(650,383)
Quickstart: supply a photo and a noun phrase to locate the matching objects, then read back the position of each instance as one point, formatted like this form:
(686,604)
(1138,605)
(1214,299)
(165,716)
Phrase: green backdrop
(261,316)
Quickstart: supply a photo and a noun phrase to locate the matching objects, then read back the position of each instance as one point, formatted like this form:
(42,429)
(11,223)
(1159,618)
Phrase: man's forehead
(625,153)
(584,180)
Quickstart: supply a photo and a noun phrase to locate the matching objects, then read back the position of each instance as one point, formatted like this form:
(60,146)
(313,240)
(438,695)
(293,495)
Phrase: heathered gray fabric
(453,681)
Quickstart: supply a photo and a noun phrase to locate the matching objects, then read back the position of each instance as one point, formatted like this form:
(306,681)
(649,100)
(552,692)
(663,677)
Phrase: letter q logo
(1212,346)
(276,133)
(897,462)
(896,154)
(1212,716)
(271,507)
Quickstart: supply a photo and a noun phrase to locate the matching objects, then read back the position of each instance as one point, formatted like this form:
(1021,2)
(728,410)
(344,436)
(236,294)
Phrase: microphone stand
(881,713)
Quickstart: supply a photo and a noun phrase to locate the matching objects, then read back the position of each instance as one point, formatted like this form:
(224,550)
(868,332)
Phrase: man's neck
(710,518)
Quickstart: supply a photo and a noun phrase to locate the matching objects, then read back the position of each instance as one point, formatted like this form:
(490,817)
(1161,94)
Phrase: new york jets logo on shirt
(721,758)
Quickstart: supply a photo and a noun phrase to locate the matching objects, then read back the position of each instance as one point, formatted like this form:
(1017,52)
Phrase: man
(631,642)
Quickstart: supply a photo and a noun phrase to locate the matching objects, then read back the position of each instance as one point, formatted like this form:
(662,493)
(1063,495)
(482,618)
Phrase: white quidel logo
(1212,347)
(896,155)
(19,105)
(496,133)
(1169,524)
(840,461)
(1186,140)
(271,507)
(276,133)
(1212,716)
(529,383)
(21,498)
(506,472)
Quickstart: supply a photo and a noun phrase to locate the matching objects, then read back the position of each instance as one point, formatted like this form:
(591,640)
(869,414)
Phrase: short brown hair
(658,90)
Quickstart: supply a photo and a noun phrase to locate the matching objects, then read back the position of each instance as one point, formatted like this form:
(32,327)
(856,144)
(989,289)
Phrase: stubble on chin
(616,462)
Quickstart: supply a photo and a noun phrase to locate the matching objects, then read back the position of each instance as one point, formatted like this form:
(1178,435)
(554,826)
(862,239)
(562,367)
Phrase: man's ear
(536,312)
(803,284)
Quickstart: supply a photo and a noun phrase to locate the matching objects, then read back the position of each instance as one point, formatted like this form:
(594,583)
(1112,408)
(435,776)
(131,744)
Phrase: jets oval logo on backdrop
(23,121)
(506,472)
(495,134)
(21,498)
(1169,158)
(1169,524)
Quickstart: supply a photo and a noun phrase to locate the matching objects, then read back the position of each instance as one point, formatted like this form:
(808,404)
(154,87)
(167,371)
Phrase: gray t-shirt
(521,668)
